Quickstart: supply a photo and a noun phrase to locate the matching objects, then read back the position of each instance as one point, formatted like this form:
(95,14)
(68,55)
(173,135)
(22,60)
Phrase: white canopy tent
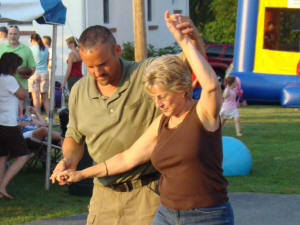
(44,12)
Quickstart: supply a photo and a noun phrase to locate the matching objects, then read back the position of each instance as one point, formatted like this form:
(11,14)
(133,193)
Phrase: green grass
(33,202)
(271,133)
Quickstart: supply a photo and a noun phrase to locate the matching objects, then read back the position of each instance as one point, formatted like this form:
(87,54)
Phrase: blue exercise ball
(237,159)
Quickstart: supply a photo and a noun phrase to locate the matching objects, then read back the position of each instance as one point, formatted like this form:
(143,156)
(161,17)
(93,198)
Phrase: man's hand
(180,26)
(70,176)
(62,165)
(25,72)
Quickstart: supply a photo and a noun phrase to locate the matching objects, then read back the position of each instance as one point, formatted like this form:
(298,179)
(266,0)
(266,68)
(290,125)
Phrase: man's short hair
(95,35)
(4,29)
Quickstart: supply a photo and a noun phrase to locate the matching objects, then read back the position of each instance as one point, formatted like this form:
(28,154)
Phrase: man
(109,111)
(47,42)
(3,35)
(27,67)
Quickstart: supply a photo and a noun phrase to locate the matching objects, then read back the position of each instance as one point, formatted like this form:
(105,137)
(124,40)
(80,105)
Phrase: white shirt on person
(8,100)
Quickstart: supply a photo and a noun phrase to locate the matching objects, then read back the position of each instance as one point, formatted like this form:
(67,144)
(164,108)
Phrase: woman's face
(168,102)
(70,45)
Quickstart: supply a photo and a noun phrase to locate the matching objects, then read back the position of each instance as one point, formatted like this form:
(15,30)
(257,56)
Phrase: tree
(215,19)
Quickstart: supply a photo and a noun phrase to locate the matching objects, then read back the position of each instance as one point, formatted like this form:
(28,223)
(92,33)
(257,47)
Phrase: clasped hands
(65,175)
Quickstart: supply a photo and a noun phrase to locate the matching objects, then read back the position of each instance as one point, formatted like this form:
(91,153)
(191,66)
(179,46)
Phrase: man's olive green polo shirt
(25,53)
(111,125)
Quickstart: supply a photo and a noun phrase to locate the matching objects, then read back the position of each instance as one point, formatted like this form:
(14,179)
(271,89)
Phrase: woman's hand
(25,72)
(180,26)
(70,176)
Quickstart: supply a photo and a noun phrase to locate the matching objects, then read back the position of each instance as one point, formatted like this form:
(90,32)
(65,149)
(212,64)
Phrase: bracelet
(106,168)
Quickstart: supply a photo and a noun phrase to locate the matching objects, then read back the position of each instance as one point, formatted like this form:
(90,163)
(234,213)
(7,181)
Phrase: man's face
(13,35)
(103,63)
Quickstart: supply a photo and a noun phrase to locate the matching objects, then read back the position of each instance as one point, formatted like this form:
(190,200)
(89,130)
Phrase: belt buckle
(126,187)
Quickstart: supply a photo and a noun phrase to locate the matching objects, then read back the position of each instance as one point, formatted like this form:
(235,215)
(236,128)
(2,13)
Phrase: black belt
(133,184)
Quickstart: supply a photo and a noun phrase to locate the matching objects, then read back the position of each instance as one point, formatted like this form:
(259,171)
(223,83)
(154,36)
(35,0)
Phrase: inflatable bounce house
(267,51)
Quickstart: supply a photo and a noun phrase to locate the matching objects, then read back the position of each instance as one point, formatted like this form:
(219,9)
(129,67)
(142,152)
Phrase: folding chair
(38,151)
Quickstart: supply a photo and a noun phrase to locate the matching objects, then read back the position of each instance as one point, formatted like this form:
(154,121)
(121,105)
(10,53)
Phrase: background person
(184,143)
(38,83)
(3,35)
(12,143)
(229,107)
(28,65)
(110,111)
(47,42)
(35,126)
(74,64)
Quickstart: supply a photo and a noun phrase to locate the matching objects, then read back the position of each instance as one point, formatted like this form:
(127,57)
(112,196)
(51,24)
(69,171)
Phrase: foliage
(288,36)
(201,13)
(215,19)
(128,50)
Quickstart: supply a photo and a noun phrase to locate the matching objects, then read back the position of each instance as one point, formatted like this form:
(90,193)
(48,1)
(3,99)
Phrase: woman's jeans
(217,215)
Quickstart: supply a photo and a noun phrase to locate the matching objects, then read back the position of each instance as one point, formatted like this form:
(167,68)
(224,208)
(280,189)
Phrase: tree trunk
(140,42)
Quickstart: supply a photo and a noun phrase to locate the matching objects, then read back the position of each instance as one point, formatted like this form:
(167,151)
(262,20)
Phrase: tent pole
(51,111)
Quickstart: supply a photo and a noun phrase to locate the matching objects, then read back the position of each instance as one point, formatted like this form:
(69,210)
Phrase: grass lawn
(270,132)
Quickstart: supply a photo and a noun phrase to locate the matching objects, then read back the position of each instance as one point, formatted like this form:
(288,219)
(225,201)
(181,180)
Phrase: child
(229,107)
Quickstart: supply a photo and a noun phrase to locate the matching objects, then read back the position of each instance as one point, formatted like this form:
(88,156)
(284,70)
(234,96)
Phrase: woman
(38,83)
(11,138)
(184,143)
(74,69)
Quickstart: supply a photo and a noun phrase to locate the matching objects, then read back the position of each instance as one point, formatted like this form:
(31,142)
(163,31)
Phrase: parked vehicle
(219,56)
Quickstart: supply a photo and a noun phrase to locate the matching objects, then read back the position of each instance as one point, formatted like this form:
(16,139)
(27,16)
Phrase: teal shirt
(25,53)
(40,58)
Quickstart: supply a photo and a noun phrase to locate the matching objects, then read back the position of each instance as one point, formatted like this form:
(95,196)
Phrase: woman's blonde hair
(73,40)
(170,72)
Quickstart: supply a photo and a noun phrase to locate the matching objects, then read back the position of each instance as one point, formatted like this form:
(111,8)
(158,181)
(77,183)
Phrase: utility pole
(140,42)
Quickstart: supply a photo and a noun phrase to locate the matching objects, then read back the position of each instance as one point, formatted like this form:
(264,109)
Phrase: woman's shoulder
(74,56)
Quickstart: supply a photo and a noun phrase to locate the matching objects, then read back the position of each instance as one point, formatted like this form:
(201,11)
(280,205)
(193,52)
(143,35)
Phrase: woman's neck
(176,120)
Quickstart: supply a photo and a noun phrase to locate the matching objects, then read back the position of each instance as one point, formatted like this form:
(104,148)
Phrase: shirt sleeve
(12,84)
(72,128)
(30,60)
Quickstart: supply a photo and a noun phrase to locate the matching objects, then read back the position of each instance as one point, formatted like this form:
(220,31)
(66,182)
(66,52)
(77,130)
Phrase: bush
(128,50)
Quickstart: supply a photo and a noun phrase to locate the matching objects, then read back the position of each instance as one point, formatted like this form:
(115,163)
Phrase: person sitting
(35,126)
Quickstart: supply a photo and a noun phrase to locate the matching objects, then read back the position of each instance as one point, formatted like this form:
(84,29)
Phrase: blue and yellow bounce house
(267,50)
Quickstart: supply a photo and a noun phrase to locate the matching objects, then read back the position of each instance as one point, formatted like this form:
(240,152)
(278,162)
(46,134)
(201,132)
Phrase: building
(114,14)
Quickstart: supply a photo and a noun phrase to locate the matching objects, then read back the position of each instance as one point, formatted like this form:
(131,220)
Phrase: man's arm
(72,153)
